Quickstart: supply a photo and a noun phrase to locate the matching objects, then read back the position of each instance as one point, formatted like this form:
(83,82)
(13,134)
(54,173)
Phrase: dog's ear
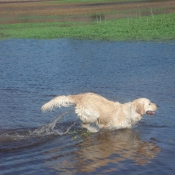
(140,108)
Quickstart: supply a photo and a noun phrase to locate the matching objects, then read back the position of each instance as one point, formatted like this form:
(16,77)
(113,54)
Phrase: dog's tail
(60,101)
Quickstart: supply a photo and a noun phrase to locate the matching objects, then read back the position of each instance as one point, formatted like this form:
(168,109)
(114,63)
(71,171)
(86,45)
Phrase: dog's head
(145,106)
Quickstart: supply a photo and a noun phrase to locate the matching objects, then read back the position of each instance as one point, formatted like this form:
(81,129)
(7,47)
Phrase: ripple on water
(34,71)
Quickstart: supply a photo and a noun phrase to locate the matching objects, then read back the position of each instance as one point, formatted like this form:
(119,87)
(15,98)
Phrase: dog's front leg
(89,127)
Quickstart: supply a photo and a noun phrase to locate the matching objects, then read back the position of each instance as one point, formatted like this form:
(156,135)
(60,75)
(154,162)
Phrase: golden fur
(91,107)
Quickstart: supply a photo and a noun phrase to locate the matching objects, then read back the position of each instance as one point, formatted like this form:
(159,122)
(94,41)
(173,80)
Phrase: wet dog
(91,107)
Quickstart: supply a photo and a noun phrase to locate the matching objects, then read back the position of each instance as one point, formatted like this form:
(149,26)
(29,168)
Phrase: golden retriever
(91,107)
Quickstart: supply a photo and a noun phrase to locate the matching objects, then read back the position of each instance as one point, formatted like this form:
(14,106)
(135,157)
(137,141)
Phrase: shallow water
(34,71)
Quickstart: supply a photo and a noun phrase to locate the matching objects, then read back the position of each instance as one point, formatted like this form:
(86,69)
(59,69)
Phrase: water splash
(21,138)
(50,128)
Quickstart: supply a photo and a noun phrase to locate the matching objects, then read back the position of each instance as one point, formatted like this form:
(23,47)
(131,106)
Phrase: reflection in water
(34,71)
(105,148)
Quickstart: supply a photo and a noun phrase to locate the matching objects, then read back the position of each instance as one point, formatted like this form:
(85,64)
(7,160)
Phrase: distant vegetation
(93,1)
(152,27)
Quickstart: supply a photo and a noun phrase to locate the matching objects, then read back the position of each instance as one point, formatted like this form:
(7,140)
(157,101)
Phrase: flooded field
(12,11)
(35,71)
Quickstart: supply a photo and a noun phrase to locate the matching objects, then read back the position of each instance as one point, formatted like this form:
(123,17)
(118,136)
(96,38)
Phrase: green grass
(157,27)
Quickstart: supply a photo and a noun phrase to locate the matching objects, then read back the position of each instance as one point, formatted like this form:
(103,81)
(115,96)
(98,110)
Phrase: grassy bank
(153,27)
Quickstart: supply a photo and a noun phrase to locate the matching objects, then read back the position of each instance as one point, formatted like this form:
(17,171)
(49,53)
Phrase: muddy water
(34,71)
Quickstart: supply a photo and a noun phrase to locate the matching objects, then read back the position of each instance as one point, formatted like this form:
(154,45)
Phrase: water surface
(35,71)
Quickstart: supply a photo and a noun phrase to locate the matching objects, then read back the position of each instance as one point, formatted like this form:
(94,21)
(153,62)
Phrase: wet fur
(91,107)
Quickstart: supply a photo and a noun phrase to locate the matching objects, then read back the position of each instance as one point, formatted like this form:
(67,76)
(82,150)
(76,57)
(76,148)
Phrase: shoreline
(48,20)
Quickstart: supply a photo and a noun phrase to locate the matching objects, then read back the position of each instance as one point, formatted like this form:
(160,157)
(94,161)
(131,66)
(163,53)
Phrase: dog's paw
(92,129)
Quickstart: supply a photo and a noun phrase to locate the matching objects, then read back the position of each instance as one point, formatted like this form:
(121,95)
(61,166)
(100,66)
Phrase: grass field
(153,27)
(88,19)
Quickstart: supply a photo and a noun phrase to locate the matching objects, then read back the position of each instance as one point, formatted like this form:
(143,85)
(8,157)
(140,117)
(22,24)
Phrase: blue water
(35,71)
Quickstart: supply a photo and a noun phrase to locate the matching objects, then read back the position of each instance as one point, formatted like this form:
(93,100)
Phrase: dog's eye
(150,103)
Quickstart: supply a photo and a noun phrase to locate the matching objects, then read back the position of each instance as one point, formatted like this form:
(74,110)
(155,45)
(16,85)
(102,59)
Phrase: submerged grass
(153,27)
